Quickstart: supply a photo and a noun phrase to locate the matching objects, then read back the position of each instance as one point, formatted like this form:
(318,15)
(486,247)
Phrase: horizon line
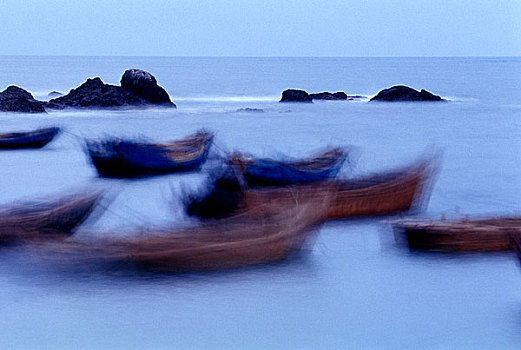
(186,56)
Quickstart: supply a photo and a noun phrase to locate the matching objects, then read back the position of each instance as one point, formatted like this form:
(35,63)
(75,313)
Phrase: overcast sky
(261,28)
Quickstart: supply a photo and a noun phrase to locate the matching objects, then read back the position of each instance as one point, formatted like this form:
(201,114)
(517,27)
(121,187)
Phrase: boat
(381,194)
(127,158)
(29,139)
(46,220)
(260,236)
(515,241)
(476,235)
(271,172)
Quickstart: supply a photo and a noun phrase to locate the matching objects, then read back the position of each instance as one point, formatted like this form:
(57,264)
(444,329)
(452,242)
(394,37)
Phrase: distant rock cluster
(294,95)
(138,89)
(398,93)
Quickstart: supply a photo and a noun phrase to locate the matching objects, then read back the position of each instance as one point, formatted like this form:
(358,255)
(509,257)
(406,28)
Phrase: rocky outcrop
(15,99)
(292,95)
(401,93)
(144,85)
(138,89)
(340,95)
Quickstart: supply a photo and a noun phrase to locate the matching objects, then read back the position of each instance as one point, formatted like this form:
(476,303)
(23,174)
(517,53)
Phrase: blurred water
(357,288)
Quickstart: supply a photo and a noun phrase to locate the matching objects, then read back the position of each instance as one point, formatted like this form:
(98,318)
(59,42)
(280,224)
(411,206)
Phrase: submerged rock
(292,95)
(250,110)
(402,93)
(15,99)
(340,95)
(139,89)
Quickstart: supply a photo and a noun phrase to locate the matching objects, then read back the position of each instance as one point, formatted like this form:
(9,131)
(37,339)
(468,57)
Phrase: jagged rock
(292,95)
(401,93)
(15,99)
(250,110)
(340,95)
(140,90)
(144,85)
(54,94)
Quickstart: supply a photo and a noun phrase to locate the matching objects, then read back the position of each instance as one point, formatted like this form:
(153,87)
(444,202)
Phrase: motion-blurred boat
(127,158)
(29,139)
(46,221)
(478,235)
(270,172)
(262,235)
(381,194)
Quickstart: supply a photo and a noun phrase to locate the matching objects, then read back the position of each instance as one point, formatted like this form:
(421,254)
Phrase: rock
(250,110)
(54,94)
(292,95)
(140,90)
(340,95)
(144,85)
(15,99)
(401,93)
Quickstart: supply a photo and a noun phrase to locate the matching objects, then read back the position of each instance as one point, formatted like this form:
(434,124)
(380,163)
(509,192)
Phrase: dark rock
(144,85)
(55,94)
(340,95)
(96,94)
(292,95)
(401,93)
(15,99)
(250,110)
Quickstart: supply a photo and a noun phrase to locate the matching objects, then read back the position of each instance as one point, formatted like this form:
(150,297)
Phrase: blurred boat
(30,139)
(44,221)
(126,158)
(478,235)
(262,235)
(380,194)
(515,241)
(270,172)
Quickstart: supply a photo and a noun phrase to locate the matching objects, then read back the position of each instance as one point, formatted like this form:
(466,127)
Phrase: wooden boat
(478,235)
(126,158)
(255,237)
(515,241)
(380,194)
(30,139)
(44,221)
(270,172)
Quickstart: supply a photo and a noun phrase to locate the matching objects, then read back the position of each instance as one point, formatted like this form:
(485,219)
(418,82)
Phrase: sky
(271,28)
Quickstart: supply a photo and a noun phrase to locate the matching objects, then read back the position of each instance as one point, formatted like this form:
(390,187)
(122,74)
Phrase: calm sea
(356,288)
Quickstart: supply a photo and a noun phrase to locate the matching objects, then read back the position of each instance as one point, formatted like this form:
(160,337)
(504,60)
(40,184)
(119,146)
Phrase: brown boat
(480,235)
(46,220)
(515,241)
(381,194)
(254,237)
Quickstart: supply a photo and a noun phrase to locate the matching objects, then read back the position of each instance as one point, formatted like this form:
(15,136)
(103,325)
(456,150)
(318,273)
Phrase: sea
(357,287)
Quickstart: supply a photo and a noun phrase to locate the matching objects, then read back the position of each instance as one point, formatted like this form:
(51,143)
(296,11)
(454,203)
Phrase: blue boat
(270,172)
(127,158)
(30,139)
